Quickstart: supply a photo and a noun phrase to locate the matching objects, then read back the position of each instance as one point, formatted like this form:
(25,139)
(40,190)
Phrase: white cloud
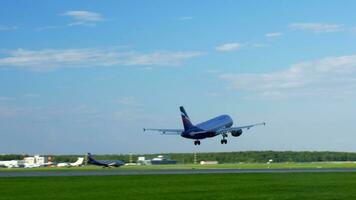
(229,47)
(31,95)
(234,46)
(327,77)
(42,28)
(137,115)
(184,18)
(213,94)
(49,59)
(45,113)
(212,71)
(127,101)
(274,34)
(7,112)
(82,17)
(317,27)
(160,58)
(3,98)
(8,28)
(256,45)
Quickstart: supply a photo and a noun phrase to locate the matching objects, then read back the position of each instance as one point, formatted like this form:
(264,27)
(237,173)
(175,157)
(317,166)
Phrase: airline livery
(104,163)
(221,125)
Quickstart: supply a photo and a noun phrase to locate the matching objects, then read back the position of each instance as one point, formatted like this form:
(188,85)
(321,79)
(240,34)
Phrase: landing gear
(224,141)
(196,142)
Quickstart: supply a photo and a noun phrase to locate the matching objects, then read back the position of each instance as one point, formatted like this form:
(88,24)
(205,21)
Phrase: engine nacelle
(236,133)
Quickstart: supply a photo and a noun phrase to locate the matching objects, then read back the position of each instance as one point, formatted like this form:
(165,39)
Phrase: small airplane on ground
(77,163)
(221,125)
(105,163)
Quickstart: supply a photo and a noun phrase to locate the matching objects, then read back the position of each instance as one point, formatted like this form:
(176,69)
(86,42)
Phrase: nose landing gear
(196,142)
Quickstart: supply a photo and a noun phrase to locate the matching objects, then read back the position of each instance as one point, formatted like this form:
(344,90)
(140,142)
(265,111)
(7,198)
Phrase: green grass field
(192,166)
(316,186)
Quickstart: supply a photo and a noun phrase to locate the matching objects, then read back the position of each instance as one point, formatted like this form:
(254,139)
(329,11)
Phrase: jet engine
(236,133)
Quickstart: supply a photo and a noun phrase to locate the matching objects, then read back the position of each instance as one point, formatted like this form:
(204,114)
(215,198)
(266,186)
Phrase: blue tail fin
(90,158)
(185,119)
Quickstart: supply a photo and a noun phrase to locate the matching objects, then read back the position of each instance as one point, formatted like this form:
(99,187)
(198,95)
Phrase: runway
(119,172)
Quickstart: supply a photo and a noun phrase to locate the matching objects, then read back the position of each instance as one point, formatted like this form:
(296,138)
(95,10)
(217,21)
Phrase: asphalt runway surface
(115,172)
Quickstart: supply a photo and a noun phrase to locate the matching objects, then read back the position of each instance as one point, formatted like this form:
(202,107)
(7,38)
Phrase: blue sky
(79,76)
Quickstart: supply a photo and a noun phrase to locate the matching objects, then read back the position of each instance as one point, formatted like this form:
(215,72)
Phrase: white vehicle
(77,163)
(9,164)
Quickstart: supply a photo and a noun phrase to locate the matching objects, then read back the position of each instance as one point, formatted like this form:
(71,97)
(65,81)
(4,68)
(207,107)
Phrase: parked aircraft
(221,125)
(16,164)
(9,163)
(105,163)
(77,163)
(34,165)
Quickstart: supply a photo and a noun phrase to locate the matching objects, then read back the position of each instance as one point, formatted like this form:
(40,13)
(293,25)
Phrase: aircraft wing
(115,164)
(112,164)
(237,128)
(166,131)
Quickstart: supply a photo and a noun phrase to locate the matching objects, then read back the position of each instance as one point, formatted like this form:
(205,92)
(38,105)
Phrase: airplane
(77,163)
(221,125)
(104,163)
(9,164)
(34,165)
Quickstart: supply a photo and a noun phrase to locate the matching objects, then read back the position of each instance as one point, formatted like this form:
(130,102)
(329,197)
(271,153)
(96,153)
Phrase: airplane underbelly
(199,136)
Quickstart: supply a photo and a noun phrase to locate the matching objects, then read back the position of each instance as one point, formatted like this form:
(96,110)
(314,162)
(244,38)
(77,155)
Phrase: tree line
(221,157)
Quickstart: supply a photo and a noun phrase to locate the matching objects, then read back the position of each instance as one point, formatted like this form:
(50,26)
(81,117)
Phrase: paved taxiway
(115,172)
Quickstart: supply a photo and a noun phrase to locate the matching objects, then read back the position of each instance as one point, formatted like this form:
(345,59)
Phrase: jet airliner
(77,163)
(104,163)
(221,125)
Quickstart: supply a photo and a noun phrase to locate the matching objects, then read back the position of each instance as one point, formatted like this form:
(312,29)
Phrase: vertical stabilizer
(78,162)
(185,119)
(90,158)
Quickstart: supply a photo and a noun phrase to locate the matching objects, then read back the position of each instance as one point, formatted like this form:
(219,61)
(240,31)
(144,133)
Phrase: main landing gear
(224,141)
(196,142)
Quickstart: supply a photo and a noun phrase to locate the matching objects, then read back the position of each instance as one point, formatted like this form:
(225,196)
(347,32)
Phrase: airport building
(159,160)
(39,160)
(27,162)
